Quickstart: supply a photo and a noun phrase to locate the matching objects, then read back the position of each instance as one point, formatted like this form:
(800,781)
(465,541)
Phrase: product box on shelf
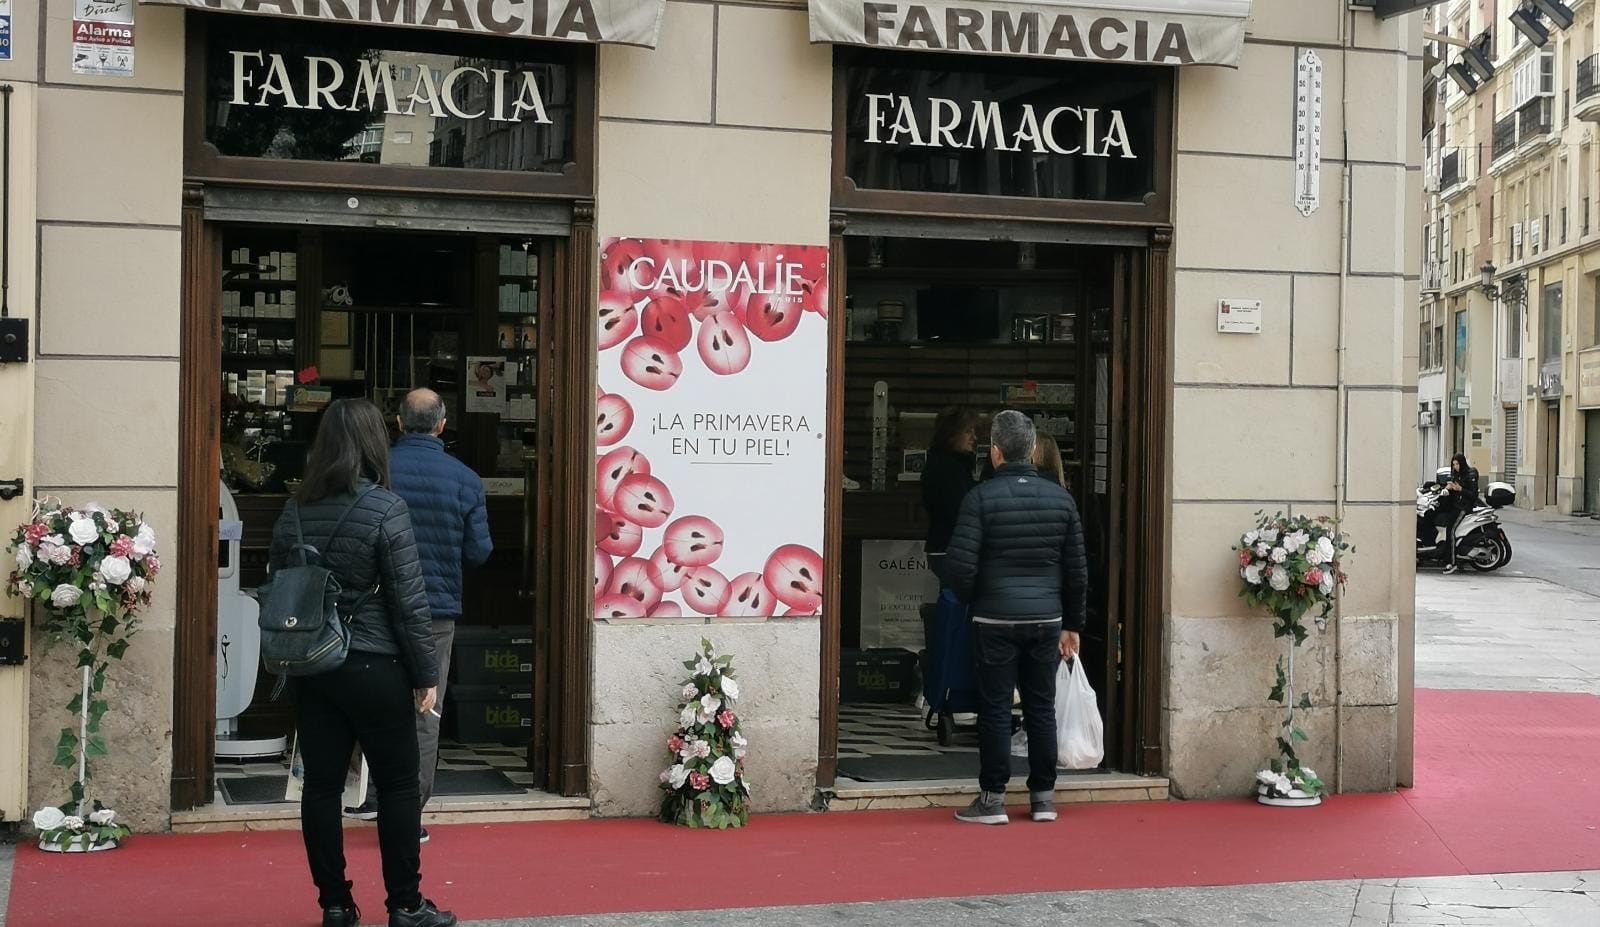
(878,675)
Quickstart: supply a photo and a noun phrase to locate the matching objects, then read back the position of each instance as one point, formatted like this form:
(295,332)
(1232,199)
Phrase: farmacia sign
(937,122)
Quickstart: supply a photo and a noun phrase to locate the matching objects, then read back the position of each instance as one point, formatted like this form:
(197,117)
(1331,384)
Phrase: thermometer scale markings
(1308,132)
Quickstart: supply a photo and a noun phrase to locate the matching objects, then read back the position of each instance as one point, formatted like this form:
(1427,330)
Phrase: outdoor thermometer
(1308,133)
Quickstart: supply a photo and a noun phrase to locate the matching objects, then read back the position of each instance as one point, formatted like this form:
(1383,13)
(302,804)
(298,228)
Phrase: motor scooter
(1481,541)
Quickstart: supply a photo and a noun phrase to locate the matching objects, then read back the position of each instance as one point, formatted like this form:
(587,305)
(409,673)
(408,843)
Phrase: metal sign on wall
(619,22)
(1002,128)
(1167,32)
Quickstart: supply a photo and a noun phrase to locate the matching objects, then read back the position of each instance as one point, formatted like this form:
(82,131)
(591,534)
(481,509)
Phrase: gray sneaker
(1042,805)
(987,808)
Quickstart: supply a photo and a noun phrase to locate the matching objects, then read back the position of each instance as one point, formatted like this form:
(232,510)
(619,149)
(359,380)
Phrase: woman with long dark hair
(1047,457)
(946,477)
(361,531)
(1462,498)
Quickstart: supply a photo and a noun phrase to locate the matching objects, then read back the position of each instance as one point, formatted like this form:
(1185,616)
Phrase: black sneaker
(987,808)
(1042,806)
(344,915)
(424,915)
(366,811)
(423,837)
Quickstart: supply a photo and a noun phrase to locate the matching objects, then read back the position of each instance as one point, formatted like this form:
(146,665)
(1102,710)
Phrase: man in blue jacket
(450,518)
(1017,557)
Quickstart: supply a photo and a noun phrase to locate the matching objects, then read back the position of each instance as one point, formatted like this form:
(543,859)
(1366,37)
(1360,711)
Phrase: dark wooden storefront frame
(560,614)
(1141,393)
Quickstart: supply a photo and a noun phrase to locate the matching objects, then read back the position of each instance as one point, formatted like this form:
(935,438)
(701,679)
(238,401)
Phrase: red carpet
(1506,782)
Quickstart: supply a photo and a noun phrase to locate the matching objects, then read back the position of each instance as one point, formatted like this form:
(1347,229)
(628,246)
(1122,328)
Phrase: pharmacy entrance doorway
(309,316)
(939,331)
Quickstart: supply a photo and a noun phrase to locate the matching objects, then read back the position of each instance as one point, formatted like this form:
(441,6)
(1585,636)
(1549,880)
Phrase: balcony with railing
(1534,120)
(1449,170)
(1586,90)
(1432,276)
(1504,141)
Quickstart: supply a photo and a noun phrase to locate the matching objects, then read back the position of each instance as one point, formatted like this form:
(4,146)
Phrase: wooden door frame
(1141,464)
(560,616)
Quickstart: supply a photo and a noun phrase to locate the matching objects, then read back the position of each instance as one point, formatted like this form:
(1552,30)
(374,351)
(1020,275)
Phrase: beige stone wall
(106,378)
(722,133)
(1255,417)
(16,434)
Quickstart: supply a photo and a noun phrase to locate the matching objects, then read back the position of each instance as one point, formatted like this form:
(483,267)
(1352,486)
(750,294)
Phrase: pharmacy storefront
(696,281)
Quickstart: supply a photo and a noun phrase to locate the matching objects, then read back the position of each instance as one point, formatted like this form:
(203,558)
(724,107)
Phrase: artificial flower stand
(1283,791)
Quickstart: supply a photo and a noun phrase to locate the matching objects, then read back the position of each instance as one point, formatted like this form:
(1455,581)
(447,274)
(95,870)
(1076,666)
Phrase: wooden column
(833,521)
(571,562)
(199,465)
(1155,493)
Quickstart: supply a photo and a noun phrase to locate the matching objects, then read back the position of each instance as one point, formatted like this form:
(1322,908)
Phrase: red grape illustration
(668,576)
(602,571)
(613,468)
(693,541)
(666,321)
(667,609)
(794,574)
(771,318)
(615,261)
(611,607)
(748,597)
(643,500)
(616,535)
(631,578)
(613,419)
(618,319)
(706,591)
(723,344)
(651,364)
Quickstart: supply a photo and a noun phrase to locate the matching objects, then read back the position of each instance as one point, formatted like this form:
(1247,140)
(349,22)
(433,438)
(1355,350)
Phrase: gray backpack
(302,631)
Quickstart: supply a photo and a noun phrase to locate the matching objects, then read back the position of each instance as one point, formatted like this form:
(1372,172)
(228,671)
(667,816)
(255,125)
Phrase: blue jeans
(1017,658)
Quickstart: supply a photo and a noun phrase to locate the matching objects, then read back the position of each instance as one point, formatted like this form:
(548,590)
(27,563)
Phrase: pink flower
(122,546)
(77,556)
(675,743)
(727,719)
(699,781)
(36,533)
(152,565)
(1313,576)
(1245,558)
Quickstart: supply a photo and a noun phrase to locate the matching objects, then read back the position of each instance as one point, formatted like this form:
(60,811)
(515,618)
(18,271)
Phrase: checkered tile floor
(509,760)
(894,730)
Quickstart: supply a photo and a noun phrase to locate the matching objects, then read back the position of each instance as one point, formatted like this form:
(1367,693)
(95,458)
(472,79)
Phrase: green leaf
(76,705)
(68,740)
(85,657)
(97,745)
(108,624)
(1280,687)
(117,648)
(1300,736)
(1305,700)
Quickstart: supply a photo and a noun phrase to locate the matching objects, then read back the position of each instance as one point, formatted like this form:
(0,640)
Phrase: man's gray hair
(1012,432)
(421,412)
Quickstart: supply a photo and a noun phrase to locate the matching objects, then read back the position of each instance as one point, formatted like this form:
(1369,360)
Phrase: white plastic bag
(1019,744)
(1080,737)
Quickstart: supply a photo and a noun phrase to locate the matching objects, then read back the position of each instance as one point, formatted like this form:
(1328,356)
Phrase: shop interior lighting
(1559,14)
(1526,21)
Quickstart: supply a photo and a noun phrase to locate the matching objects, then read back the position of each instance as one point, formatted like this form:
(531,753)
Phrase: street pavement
(1536,900)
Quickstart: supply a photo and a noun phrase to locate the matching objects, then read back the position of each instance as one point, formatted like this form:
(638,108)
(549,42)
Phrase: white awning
(619,22)
(1171,32)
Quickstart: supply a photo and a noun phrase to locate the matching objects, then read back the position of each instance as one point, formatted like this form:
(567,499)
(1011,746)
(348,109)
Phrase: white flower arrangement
(1290,565)
(92,571)
(705,783)
(61,832)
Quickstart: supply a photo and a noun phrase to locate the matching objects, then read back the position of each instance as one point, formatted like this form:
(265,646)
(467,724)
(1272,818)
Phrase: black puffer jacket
(1017,552)
(375,548)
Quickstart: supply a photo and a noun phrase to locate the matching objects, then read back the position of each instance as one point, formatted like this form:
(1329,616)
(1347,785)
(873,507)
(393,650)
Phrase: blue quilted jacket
(448,513)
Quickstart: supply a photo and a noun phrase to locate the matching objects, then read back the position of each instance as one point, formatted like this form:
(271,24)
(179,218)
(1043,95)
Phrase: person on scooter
(1462,498)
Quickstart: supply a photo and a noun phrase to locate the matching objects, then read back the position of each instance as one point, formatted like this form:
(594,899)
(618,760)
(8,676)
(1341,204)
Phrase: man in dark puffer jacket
(1017,557)
(450,517)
